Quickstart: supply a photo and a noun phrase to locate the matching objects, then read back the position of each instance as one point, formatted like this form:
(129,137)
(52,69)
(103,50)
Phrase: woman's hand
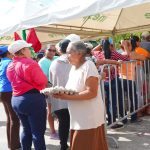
(60,96)
(126,46)
(118,63)
(90,92)
(103,75)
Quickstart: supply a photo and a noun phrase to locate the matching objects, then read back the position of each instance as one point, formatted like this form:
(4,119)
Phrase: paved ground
(134,136)
(131,137)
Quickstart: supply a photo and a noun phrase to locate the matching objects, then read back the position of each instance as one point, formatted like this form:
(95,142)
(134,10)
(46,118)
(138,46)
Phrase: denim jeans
(31,110)
(133,102)
(112,109)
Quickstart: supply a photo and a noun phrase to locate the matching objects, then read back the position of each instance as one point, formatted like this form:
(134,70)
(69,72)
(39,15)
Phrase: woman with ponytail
(111,53)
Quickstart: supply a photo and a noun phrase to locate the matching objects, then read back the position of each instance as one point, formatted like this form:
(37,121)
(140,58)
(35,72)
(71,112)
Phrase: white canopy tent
(62,17)
(120,20)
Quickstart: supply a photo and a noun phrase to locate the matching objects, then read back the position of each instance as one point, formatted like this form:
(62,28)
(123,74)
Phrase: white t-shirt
(86,114)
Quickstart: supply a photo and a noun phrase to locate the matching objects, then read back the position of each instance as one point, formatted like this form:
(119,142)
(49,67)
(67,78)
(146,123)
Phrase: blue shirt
(45,64)
(5,85)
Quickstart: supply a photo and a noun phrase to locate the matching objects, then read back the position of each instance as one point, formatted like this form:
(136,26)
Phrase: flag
(16,36)
(24,36)
(33,39)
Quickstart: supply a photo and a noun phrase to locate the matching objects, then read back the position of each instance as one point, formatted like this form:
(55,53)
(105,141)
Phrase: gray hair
(88,45)
(79,47)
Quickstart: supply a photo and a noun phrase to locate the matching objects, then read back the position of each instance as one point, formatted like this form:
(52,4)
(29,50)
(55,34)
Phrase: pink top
(24,75)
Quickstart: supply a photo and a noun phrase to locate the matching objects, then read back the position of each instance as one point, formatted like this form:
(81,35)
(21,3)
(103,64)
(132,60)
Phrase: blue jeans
(133,102)
(31,110)
(112,109)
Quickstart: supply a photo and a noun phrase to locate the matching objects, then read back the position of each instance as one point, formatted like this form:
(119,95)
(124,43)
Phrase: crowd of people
(77,66)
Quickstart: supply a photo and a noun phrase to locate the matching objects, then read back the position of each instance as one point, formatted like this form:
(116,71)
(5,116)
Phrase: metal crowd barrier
(132,90)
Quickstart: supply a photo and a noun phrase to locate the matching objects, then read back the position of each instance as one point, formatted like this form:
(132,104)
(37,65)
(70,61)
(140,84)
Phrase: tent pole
(114,30)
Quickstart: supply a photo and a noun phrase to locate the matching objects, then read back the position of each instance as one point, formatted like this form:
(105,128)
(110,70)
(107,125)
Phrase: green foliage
(118,38)
(94,43)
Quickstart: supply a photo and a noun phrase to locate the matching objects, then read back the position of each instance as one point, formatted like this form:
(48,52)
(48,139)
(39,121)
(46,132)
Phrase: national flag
(24,35)
(16,36)
(33,39)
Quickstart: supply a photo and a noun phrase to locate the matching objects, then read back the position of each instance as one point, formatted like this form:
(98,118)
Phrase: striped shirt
(117,56)
(114,56)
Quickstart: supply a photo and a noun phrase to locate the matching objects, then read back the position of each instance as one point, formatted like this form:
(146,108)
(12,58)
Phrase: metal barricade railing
(132,90)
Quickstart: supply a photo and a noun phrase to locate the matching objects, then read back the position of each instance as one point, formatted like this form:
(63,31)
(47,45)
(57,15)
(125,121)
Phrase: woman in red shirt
(27,79)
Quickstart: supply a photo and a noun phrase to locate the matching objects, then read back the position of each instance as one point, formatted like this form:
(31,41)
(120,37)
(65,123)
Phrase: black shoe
(64,147)
(125,121)
(117,126)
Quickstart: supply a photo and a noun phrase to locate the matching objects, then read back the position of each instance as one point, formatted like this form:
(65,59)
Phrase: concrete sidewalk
(134,136)
(131,137)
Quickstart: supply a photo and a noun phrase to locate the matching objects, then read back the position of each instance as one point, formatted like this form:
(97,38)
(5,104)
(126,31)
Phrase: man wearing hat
(5,96)
(59,73)
(145,43)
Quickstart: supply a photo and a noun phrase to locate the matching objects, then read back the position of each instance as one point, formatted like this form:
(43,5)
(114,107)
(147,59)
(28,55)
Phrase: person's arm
(135,56)
(90,91)
(107,61)
(126,44)
(132,55)
(97,48)
(117,56)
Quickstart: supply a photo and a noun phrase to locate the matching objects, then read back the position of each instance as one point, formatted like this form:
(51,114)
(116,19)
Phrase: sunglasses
(51,50)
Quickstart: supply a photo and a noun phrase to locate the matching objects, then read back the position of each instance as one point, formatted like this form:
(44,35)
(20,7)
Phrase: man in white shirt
(59,73)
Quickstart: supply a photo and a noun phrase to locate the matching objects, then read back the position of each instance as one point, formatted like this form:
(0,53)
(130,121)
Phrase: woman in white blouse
(86,108)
